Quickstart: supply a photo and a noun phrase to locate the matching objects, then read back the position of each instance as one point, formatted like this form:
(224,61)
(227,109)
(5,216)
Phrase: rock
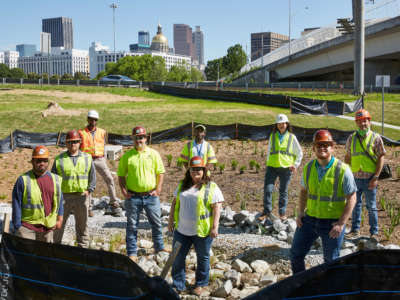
(251,220)
(268,279)
(228,224)
(235,293)
(145,244)
(347,244)
(290,237)
(248,291)
(282,236)
(216,273)
(279,226)
(190,277)
(233,276)
(146,265)
(241,216)
(155,270)
(392,247)
(346,251)
(251,279)
(292,225)
(260,266)
(241,266)
(105,198)
(162,257)
(165,208)
(224,290)
(222,266)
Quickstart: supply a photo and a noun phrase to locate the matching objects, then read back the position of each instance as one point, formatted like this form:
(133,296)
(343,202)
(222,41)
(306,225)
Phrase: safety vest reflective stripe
(354,144)
(93,145)
(83,177)
(207,214)
(288,148)
(205,157)
(29,204)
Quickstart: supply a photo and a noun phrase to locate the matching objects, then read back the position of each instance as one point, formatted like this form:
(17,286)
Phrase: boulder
(260,266)
(241,266)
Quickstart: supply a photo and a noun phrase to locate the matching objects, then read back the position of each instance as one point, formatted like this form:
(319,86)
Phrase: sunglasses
(73,142)
(196,169)
(140,137)
(40,160)
(323,145)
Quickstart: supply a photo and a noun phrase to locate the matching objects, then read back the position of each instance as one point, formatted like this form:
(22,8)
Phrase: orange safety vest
(93,146)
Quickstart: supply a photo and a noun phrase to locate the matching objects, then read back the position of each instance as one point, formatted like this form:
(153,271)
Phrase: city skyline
(220,21)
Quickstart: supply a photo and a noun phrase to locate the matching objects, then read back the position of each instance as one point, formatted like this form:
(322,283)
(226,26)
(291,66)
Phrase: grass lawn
(23,110)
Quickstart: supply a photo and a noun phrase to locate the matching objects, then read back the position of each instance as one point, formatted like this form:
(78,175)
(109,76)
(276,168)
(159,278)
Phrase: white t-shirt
(188,209)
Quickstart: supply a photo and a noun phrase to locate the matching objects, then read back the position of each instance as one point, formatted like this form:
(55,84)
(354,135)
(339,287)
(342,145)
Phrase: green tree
(212,68)
(4,71)
(235,59)
(17,73)
(178,74)
(158,71)
(100,75)
(55,77)
(33,76)
(45,76)
(80,76)
(67,76)
(111,68)
(196,75)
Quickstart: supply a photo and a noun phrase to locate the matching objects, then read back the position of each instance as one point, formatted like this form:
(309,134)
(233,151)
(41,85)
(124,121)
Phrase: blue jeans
(134,206)
(370,202)
(271,174)
(202,247)
(305,236)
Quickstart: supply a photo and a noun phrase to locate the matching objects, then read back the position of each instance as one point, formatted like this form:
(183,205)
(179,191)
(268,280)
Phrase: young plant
(169,159)
(242,169)
(255,148)
(252,164)
(179,164)
(221,168)
(234,164)
(257,167)
(243,204)
(398,172)
(262,153)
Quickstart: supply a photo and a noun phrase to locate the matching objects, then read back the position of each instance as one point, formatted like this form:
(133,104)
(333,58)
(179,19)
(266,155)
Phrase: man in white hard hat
(93,140)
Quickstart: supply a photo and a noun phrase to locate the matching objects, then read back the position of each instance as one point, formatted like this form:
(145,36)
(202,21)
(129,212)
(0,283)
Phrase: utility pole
(114,6)
(290,25)
(359,46)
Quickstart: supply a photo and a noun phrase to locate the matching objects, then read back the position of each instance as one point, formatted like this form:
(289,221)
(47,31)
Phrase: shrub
(258,167)
(242,169)
(234,164)
(221,168)
(252,164)
(169,159)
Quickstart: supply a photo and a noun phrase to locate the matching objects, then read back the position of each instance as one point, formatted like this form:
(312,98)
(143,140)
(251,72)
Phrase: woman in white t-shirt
(194,219)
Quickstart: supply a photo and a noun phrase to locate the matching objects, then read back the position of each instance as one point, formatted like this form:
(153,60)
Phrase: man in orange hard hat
(141,175)
(327,198)
(79,180)
(365,154)
(37,200)
(93,140)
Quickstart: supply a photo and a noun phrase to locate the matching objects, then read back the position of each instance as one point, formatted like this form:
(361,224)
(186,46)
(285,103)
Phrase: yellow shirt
(140,168)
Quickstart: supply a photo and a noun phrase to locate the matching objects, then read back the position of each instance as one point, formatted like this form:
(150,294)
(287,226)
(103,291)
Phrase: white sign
(384,78)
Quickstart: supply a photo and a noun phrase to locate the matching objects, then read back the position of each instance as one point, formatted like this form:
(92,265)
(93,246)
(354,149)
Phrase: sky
(223,22)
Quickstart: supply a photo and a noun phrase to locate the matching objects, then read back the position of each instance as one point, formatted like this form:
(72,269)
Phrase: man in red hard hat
(79,180)
(37,200)
(93,140)
(141,173)
(366,169)
(327,198)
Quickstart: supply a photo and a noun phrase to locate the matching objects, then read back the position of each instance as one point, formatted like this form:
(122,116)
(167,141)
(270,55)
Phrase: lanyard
(197,148)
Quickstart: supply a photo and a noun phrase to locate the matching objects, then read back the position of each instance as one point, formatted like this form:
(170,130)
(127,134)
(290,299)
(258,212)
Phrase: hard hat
(40,152)
(322,135)
(93,114)
(281,118)
(200,126)
(362,114)
(138,130)
(72,135)
(196,162)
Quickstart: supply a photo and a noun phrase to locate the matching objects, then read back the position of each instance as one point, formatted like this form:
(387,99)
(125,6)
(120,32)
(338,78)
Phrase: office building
(11,59)
(26,50)
(139,47)
(265,42)
(183,40)
(1,57)
(60,61)
(61,31)
(144,38)
(45,42)
(198,42)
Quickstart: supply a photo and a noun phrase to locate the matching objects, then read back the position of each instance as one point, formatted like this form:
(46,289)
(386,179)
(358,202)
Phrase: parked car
(116,78)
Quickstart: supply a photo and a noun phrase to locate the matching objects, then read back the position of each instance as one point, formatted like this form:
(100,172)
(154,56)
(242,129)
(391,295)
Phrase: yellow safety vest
(208,157)
(325,198)
(75,178)
(359,159)
(281,154)
(32,204)
(93,146)
(204,209)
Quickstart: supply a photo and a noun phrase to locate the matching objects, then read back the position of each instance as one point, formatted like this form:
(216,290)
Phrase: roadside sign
(382,79)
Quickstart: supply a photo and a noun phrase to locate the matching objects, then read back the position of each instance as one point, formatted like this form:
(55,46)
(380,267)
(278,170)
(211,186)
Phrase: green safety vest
(187,153)
(325,198)
(75,178)
(281,154)
(359,159)
(32,204)
(204,210)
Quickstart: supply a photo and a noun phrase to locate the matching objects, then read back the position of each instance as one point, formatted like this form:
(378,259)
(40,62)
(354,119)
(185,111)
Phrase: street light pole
(114,6)
(290,25)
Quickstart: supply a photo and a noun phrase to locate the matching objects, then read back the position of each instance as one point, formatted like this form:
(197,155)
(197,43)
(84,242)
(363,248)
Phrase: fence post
(4,80)
(58,138)
(119,83)
(236,131)
(327,86)
(192,129)
(21,81)
(58,81)
(12,140)
(140,84)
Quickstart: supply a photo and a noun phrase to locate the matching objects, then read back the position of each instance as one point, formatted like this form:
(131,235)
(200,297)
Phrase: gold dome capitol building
(159,42)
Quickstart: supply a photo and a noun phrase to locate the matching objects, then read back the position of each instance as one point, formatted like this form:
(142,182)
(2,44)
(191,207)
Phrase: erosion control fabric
(23,139)
(38,270)
(373,274)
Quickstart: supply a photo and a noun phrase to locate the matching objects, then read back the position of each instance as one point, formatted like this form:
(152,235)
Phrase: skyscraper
(143,37)
(269,41)
(26,50)
(60,30)
(198,42)
(183,43)
(45,42)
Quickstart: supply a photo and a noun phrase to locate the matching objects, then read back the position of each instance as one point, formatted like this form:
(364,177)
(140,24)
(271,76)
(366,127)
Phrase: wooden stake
(6,223)
(192,129)
(150,138)
(12,140)
(58,138)
(236,131)
(171,259)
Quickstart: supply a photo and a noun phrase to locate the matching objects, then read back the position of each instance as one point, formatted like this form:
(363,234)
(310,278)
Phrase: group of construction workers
(331,190)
